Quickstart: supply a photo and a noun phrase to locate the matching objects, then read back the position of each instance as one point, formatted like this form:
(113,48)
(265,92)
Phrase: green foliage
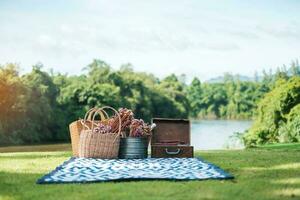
(194,95)
(41,107)
(232,99)
(290,132)
(29,109)
(12,100)
(278,115)
(174,90)
(38,106)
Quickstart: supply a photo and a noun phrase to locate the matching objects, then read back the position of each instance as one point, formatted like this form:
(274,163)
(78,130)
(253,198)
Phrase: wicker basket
(77,126)
(97,145)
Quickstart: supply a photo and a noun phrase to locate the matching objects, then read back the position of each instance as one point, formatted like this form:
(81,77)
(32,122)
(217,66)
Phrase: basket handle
(89,116)
(89,113)
(92,111)
(100,110)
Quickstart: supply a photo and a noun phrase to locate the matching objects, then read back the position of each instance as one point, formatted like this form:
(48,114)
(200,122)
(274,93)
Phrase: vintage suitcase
(171,138)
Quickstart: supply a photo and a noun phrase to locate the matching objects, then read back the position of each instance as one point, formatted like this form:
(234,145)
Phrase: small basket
(97,145)
(76,128)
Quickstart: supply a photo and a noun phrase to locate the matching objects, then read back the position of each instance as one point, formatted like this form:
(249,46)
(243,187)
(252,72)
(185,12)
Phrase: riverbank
(269,172)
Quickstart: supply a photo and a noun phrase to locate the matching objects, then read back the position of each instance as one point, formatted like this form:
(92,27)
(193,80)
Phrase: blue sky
(197,38)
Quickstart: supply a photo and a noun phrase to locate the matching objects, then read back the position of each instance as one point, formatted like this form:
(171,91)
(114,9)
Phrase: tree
(276,112)
(295,68)
(12,94)
(98,71)
(175,90)
(38,106)
(41,107)
(194,95)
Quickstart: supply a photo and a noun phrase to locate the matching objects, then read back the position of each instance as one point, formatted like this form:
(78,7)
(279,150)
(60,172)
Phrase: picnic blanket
(85,170)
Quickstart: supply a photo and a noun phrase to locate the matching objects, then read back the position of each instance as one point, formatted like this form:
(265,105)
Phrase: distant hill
(220,79)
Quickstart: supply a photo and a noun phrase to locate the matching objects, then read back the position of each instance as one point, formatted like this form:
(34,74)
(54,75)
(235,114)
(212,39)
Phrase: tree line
(278,115)
(38,106)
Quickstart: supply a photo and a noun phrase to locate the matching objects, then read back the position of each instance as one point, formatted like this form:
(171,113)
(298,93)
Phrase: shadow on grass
(281,146)
(287,166)
(35,155)
(278,183)
(37,148)
(260,174)
(23,186)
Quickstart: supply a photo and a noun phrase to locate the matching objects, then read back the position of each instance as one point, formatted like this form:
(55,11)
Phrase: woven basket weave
(76,128)
(97,145)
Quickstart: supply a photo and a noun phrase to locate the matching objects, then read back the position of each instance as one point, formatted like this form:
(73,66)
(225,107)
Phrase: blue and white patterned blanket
(82,170)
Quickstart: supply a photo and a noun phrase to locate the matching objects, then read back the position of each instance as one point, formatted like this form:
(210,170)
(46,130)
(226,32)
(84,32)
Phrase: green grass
(281,146)
(36,148)
(261,173)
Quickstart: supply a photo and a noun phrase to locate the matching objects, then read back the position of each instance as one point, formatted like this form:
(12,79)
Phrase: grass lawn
(269,172)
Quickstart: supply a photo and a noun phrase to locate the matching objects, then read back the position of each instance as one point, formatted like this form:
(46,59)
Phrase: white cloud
(282,31)
(46,41)
(192,37)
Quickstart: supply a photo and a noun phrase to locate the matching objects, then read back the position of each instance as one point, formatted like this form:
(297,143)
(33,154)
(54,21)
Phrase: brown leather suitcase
(171,138)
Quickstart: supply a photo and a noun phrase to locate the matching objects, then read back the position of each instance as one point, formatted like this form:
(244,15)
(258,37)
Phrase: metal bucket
(133,148)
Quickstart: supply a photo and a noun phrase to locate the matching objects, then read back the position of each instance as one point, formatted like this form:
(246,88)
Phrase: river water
(216,134)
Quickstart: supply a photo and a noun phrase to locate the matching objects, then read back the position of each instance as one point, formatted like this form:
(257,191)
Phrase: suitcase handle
(172,152)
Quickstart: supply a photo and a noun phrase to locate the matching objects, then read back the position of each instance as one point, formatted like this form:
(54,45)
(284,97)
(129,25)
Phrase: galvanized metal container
(133,148)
